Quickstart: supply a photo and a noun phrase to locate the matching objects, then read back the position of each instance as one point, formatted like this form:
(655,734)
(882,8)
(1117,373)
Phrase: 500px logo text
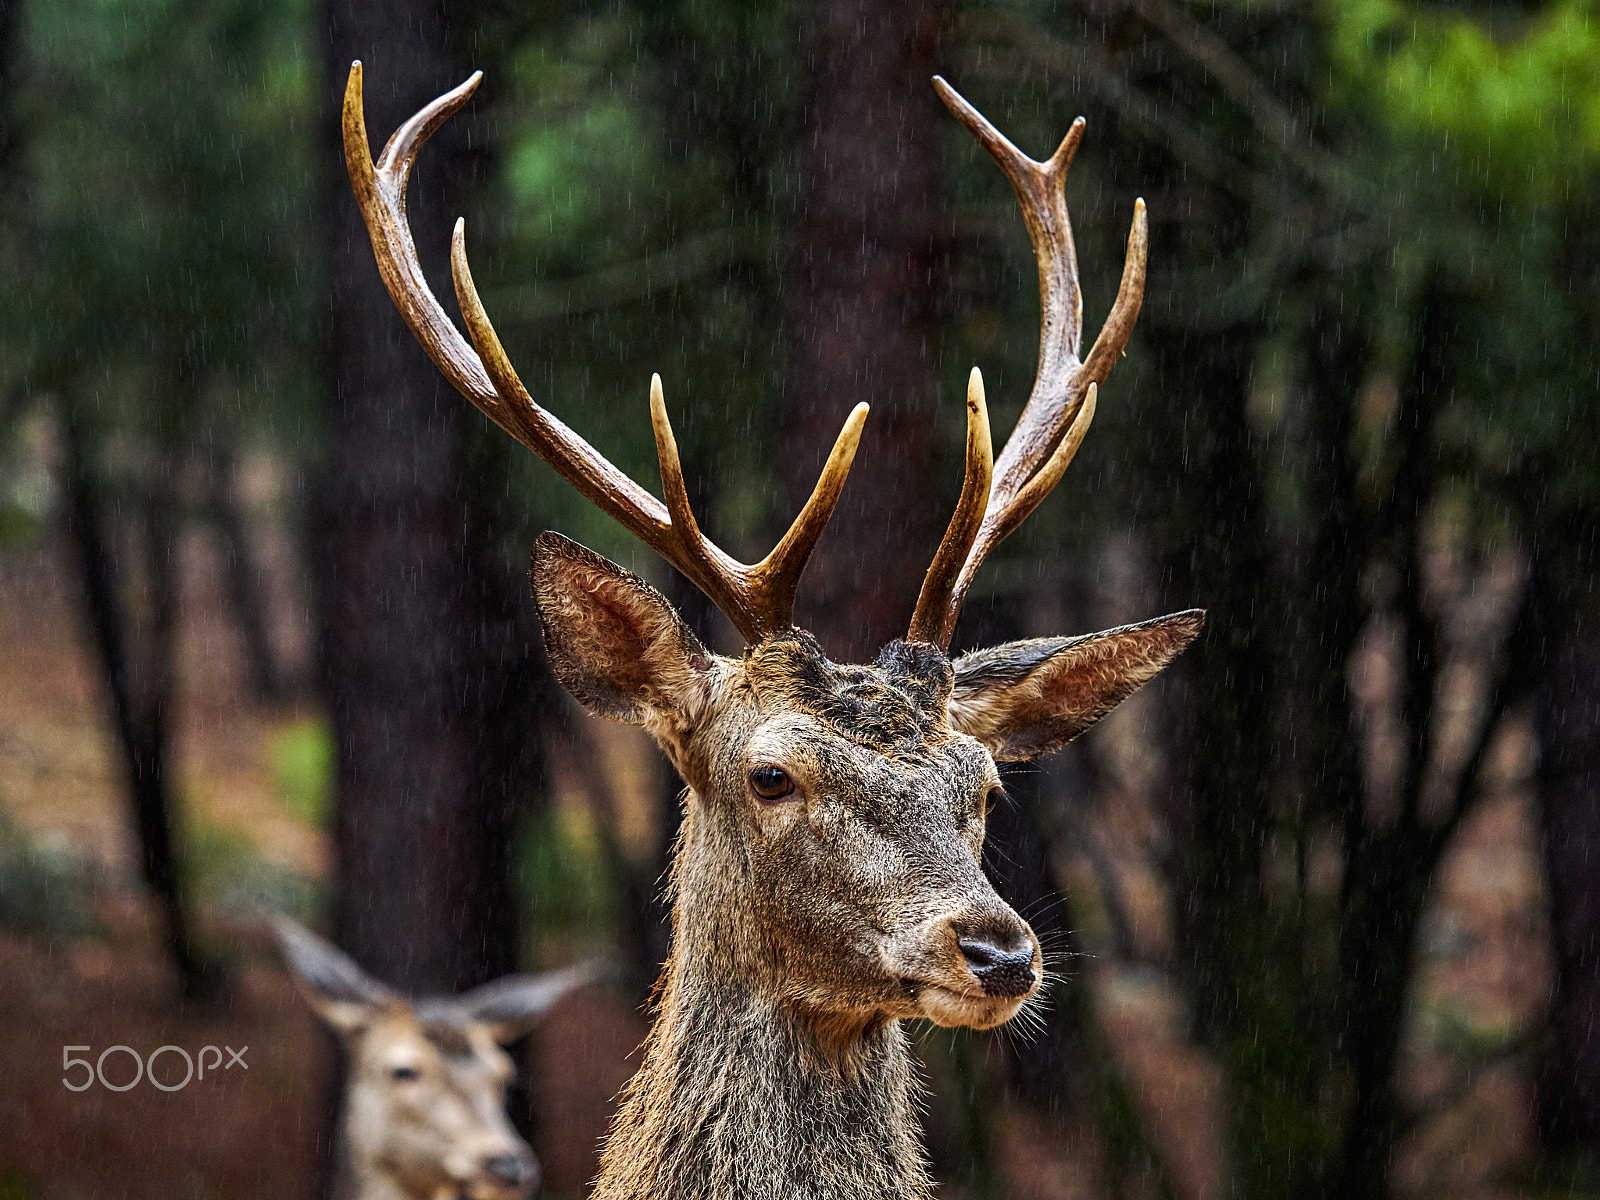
(144,1068)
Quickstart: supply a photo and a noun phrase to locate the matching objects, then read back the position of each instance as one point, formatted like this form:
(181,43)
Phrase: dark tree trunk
(1568,716)
(10,131)
(1391,875)
(861,311)
(425,657)
(246,595)
(138,671)
(1231,936)
(429,660)
(1389,868)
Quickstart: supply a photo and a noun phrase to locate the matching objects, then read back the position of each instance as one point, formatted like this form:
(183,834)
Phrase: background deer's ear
(512,1006)
(342,994)
(614,641)
(1024,699)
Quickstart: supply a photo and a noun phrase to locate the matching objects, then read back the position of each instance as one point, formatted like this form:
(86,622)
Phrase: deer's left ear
(1024,699)
(512,1006)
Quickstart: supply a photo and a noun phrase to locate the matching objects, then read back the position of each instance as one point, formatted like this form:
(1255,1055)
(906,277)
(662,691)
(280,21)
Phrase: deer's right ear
(342,994)
(614,641)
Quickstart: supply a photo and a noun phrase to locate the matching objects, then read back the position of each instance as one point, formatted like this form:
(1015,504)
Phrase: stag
(423,1115)
(826,885)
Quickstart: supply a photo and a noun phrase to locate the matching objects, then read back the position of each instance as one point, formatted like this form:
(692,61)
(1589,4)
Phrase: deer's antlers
(759,598)
(999,494)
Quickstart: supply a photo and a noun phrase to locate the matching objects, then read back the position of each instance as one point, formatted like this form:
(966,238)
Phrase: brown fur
(1027,699)
(807,929)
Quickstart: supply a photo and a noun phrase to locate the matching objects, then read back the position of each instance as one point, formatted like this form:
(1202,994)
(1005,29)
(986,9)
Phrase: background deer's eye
(402,1074)
(771,783)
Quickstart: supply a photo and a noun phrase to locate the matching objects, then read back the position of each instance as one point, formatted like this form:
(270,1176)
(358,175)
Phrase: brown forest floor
(252,1134)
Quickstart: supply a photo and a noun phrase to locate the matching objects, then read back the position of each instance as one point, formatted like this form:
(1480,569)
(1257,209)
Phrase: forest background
(1356,423)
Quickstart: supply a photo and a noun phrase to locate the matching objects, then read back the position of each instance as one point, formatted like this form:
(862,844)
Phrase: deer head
(836,813)
(424,1104)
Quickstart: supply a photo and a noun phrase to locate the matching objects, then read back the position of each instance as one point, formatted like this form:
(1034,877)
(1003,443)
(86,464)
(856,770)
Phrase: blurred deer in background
(826,885)
(424,1105)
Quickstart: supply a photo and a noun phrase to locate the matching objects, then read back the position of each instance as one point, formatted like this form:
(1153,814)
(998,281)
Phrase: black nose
(1003,965)
(511,1170)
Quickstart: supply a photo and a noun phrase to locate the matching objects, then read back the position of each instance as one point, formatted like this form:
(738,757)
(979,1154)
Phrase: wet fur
(774,1112)
(806,930)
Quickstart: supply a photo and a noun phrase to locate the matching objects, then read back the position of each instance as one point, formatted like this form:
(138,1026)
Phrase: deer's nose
(512,1170)
(1001,960)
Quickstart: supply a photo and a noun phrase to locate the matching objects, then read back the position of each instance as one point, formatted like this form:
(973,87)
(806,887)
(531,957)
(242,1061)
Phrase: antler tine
(712,571)
(579,463)
(1061,405)
(1039,486)
(380,195)
(928,623)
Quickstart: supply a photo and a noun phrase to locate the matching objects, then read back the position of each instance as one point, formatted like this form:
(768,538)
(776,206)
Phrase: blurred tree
(158,298)
(428,656)
(245,589)
(1326,336)
(1568,716)
(136,644)
(1556,478)
(861,311)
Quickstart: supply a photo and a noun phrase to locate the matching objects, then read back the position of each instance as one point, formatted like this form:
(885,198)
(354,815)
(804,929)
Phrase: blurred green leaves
(1488,143)
(635,224)
(1513,107)
(169,200)
(301,756)
(562,875)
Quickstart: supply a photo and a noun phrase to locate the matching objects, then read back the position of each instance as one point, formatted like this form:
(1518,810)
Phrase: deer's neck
(738,1098)
(356,1179)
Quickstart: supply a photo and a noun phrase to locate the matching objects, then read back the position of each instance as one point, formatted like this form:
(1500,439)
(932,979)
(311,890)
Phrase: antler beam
(758,598)
(1058,412)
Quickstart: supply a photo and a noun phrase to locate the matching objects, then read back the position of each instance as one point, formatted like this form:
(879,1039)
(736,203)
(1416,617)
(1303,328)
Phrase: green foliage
(168,282)
(224,870)
(301,757)
(636,226)
(1488,139)
(1513,109)
(561,872)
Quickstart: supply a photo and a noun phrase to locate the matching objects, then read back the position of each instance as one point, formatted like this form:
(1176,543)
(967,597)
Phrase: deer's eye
(991,798)
(771,783)
(403,1074)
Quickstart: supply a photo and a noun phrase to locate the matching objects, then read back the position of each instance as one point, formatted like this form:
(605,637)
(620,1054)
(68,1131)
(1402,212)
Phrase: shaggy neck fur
(742,1098)
(735,1100)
